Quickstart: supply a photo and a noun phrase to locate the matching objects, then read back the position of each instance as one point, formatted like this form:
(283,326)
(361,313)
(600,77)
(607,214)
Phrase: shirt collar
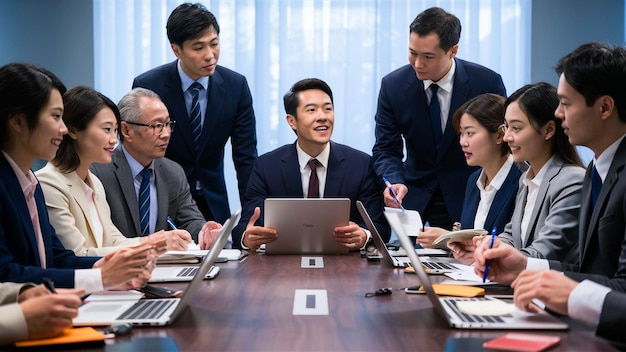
(303,157)
(186,81)
(603,162)
(500,177)
(27,182)
(540,175)
(446,81)
(135,166)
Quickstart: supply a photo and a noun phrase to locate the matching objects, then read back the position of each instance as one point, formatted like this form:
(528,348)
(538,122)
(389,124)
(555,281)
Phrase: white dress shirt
(488,193)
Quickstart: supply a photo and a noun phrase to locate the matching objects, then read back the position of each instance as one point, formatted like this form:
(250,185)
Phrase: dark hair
(189,21)
(488,110)
(594,70)
(82,104)
(436,20)
(539,102)
(24,89)
(291,99)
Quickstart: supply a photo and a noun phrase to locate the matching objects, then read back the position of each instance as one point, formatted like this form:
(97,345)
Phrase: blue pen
(493,236)
(171,223)
(393,194)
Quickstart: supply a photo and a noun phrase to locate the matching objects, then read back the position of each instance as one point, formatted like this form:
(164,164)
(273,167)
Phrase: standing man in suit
(209,103)
(432,178)
(145,133)
(592,107)
(340,171)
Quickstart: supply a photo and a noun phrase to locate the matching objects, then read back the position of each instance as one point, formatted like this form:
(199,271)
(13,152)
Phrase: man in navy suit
(342,172)
(209,103)
(593,113)
(432,178)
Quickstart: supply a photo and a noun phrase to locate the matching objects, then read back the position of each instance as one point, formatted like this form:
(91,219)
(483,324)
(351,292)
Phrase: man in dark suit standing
(338,170)
(209,103)
(432,178)
(145,133)
(593,113)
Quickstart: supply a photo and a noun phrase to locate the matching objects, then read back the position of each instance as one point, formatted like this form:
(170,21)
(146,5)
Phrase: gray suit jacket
(173,196)
(553,229)
(12,325)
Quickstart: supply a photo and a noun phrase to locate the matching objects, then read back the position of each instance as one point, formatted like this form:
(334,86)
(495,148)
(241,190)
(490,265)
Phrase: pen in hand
(49,285)
(493,236)
(170,222)
(393,194)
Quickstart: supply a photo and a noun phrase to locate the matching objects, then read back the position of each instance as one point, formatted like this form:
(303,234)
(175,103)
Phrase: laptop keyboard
(437,266)
(187,272)
(147,309)
(470,318)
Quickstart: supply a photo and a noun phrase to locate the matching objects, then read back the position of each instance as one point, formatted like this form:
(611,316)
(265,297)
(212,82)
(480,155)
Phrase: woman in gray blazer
(545,219)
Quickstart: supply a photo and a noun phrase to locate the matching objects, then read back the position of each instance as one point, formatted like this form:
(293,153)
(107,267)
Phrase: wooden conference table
(249,306)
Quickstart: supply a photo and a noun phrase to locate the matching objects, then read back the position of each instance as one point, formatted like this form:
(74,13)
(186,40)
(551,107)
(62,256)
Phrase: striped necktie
(196,114)
(144,202)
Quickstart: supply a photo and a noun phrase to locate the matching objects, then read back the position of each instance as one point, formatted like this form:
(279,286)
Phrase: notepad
(87,336)
(452,290)
(457,236)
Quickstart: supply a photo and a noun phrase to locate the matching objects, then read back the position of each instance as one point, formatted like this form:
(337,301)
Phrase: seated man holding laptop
(339,172)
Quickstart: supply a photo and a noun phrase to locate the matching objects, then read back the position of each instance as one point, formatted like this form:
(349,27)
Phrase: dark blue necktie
(144,202)
(596,185)
(196,117)
(435,113)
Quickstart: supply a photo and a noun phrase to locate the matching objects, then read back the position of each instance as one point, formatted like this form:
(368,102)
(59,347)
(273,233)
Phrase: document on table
(408,222)
(195,255)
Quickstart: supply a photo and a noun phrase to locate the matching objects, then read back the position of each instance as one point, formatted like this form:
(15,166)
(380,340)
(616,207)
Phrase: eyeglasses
(157,128)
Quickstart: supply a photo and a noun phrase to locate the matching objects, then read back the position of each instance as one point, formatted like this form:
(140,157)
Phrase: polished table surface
(249,306)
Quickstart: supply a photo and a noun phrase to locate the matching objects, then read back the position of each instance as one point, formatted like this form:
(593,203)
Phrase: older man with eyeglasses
(146,191)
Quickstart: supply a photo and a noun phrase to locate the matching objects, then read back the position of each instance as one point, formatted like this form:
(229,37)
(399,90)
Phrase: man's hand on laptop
(351,236)
(551,287)
(505,262)
(255,236)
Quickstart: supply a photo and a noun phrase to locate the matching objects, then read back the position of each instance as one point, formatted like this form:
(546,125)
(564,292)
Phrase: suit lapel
(335,172)
(504,193)
(14,190)
(460,94)
(215,101)
(74,185)
(553,169)
(617,165)
(174,95)
(161,187)
(290,172)
(517,220)
(125,179)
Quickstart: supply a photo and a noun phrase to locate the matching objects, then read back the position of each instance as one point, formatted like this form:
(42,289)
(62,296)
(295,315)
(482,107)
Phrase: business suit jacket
(19,256)
(552,232)
(402,113)
(173,197)
(13,324)
(229,115)
(68,207)
(501,207)
(349,175)
(602,235)
(613,317)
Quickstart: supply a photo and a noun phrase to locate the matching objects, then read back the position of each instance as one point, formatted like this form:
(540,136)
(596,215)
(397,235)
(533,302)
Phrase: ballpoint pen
(170,222)
(393,194)
(493,236)
(49,285)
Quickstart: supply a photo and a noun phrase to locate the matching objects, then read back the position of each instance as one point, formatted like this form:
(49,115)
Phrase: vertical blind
(350,44)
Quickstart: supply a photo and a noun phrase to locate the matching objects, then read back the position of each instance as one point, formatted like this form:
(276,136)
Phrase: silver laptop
(446,307)
(306,225)
(438,266)
(152,311)
(178,273)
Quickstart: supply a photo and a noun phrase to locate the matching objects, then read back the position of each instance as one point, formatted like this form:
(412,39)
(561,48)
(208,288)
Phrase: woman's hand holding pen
(48,314)
(506,262)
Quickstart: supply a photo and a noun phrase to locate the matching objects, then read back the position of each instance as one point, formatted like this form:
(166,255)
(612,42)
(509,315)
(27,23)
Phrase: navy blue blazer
(19,256)
(229,115)
(502,206)
(602,230)
(402,113)
(350,175)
